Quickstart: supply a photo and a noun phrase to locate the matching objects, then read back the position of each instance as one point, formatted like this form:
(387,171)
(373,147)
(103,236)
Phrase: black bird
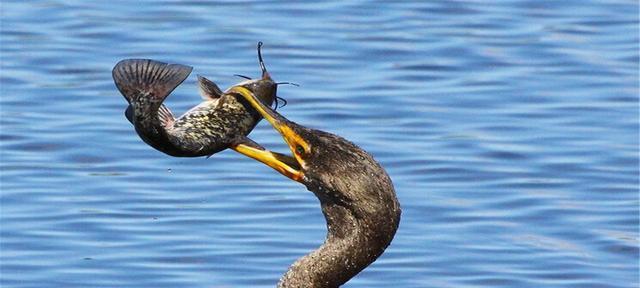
(356,196)
(220,120)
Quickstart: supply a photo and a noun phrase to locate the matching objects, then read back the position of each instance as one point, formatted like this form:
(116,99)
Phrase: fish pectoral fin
(208,89)
(129,113)
(137,78)
(165,116)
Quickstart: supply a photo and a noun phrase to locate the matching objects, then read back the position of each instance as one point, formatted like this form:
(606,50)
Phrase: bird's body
(356,196)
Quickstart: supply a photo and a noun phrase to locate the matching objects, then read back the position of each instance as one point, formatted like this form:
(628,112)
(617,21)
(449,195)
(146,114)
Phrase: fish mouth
(289,166)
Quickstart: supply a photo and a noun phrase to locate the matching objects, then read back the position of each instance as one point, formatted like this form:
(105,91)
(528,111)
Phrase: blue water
(510,130)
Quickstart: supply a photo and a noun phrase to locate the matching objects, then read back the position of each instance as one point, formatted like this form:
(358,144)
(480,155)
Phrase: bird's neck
(352,244)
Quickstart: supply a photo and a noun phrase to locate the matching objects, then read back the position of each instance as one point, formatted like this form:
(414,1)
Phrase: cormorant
(356,196)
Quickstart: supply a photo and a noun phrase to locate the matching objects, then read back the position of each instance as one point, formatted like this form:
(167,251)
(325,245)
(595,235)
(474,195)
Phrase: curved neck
(352,244)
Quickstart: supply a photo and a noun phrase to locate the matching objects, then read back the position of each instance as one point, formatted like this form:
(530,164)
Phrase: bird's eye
(300,149)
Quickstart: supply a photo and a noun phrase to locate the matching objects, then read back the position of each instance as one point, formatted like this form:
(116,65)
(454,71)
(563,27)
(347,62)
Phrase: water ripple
(509,129)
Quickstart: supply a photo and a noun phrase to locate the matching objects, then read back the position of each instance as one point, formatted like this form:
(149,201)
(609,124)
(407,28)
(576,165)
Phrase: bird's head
(330,166)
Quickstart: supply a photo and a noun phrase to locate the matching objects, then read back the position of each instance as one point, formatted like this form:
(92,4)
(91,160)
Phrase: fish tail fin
(142,80)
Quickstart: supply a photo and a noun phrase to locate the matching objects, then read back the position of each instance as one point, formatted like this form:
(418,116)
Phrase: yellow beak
(286,165)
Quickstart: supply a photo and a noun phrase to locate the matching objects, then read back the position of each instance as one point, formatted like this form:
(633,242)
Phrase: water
(510,130)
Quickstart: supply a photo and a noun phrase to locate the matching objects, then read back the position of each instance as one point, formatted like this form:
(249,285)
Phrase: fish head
(264,89)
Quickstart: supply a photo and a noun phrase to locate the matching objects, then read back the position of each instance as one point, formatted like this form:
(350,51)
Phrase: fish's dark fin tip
(148,78)
(208,89)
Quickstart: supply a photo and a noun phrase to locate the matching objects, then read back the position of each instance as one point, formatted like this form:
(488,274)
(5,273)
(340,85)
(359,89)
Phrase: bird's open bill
(287,165)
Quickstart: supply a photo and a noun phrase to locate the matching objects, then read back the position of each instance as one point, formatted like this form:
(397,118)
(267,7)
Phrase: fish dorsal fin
(165,116)
(148,78)
(208,89)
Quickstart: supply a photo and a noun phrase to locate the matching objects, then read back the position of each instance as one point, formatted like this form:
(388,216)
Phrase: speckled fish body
(207,128)
(213,125)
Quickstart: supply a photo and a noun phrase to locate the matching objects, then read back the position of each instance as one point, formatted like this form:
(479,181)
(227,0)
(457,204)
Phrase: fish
(222,119)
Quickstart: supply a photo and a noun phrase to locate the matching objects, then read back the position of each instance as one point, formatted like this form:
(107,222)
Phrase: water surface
(510,130)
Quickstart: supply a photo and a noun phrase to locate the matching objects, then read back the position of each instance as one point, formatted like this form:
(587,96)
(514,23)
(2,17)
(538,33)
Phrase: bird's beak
(286,165)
